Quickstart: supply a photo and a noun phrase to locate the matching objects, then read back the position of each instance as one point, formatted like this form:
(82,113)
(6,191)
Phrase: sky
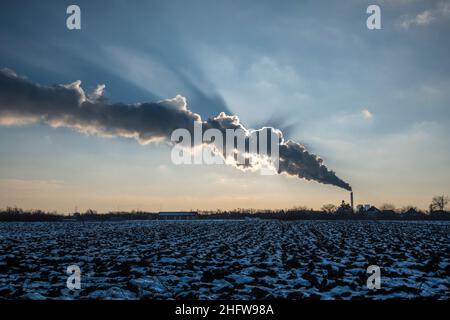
(373,104)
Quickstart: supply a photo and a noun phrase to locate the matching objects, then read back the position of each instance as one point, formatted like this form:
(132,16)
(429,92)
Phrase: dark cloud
(68,106)
(294,159)
(22,101)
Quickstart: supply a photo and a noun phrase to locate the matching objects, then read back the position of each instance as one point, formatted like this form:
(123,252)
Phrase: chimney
(351,199)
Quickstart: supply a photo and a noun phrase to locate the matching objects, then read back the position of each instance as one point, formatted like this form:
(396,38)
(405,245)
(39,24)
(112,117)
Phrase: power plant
(351,200)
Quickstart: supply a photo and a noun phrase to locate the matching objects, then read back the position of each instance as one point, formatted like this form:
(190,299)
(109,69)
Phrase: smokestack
(351,199)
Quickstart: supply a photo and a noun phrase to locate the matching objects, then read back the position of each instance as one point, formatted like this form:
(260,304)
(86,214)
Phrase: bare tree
(439,203)
(329,208)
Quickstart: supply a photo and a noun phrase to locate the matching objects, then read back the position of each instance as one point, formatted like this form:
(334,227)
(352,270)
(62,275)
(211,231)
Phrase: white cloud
(421,19)
(98,92)
(444,8)
(426,17)
(355,118)
(367,114)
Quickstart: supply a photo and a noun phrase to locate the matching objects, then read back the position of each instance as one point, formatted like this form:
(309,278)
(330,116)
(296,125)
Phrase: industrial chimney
(351,199)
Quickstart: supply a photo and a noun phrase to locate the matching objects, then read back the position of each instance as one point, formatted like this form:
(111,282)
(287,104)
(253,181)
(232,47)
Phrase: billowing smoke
(24,102)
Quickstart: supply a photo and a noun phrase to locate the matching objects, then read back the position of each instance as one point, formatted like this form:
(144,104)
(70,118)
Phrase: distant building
(373,212)
(177,215)
(369,210)
(344,208)
(363,207)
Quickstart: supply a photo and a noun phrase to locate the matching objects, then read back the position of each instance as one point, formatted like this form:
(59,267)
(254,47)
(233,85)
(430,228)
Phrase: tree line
(437,211)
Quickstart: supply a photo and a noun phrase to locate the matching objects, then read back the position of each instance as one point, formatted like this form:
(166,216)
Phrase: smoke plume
(23,102)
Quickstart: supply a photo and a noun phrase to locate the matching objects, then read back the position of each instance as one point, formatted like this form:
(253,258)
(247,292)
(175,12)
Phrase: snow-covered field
(225,259)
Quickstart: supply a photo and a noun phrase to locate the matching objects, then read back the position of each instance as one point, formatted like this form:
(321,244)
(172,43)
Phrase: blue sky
(374,104)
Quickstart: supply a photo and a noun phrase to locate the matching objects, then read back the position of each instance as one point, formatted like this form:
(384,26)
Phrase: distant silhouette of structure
(177,215)
(373,212)
(344,208)
(364,212)
(351,200)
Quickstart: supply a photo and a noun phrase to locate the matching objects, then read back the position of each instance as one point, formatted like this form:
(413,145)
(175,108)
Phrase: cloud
(421,19)
(97,93)
(366,114)
(68,106)
(356,118)
(23,102)
(426,17)
(294,159)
